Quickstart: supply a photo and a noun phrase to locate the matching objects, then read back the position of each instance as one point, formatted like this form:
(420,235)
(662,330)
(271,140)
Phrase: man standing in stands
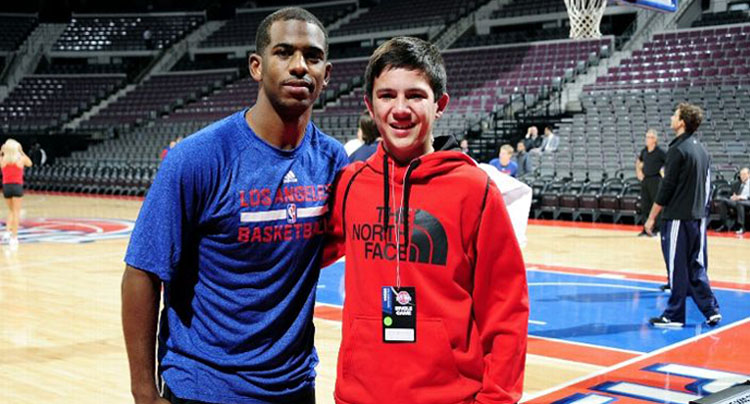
(232,230)
(739,201)
(648,169)
(682,201)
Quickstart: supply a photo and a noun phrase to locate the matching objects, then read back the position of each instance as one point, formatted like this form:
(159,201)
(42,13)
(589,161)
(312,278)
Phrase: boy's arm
(501,303)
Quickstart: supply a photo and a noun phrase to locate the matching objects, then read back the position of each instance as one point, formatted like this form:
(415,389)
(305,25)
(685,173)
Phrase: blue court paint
(593,310)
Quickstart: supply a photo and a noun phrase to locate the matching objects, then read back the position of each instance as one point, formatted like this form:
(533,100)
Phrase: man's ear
(442,105)
(327,76)
(255,66)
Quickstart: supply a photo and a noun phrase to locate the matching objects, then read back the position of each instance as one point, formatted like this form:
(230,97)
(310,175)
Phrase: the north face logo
(428,242)
(290,177)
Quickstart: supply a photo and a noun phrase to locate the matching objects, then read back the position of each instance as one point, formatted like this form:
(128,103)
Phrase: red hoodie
(465,264)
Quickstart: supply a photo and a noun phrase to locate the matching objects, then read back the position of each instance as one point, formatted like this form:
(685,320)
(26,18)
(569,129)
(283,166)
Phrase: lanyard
(399,217)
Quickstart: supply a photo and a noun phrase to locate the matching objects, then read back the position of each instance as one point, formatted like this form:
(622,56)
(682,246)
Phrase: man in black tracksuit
(682,201)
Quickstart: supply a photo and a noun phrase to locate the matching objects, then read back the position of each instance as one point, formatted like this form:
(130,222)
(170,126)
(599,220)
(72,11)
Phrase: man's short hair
(263,34)
(692,115)
(653,132)
(745,169)
(369,129)
(507,148)
(408,53)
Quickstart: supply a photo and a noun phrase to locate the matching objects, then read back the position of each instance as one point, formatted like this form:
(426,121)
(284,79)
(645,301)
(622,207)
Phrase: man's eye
(416,96)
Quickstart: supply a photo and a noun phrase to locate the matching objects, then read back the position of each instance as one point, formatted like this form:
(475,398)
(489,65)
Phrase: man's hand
(640,176)
(649,226)
(735,197)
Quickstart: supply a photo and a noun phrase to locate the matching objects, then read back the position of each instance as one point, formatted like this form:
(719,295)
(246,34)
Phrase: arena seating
(125,33)
(224,102)
(158,95)
(14,30)
(131,67)
(240,31)
(525,34)
(398,14)
(722,18)
(519,8)
(704,67)
(42,102)
(711,56)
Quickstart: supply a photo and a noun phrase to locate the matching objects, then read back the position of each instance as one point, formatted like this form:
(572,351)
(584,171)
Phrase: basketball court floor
(592,289)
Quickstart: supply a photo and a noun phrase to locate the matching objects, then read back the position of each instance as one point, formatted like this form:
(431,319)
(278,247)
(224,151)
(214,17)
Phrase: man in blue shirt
(232,229)
(504,163)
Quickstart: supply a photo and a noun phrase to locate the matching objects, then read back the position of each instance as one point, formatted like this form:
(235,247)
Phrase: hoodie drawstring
(386,195)
(403,209)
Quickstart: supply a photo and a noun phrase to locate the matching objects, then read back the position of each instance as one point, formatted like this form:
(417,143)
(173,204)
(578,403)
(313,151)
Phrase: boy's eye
(416,96)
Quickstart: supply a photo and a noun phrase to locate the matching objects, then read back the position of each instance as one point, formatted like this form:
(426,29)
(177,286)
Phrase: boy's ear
(442,105)
(254,65)
(368,104)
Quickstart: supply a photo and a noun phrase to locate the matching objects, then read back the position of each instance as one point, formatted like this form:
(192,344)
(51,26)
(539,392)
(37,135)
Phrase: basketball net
(585,18)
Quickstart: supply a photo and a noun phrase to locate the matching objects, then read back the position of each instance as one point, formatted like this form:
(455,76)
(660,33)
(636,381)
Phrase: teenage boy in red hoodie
(436,307)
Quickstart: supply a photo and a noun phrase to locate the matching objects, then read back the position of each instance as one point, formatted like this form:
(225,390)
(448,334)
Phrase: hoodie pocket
(376,367)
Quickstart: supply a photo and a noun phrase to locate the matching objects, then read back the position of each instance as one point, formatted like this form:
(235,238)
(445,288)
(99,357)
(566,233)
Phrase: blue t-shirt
(510,169)
(233,226)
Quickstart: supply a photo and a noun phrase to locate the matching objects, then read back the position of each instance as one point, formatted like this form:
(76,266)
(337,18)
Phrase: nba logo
(291,213)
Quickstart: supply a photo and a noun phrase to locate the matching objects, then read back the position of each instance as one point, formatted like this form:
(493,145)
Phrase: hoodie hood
(447,156)
(444,159)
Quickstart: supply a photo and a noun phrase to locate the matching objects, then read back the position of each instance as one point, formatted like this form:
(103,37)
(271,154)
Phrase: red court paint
(711,361)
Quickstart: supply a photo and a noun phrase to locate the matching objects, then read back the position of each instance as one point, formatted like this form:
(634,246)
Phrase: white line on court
(634,360)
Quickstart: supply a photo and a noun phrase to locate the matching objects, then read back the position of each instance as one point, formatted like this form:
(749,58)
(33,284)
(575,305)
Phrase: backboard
(656,5)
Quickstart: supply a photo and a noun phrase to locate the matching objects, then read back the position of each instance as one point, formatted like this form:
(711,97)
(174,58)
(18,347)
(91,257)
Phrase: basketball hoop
(585,18)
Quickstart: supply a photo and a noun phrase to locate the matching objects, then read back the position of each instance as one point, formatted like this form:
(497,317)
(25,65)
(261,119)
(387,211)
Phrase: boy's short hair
(404,52)
(692,115)
(369,129)
(263,35)
(507,148)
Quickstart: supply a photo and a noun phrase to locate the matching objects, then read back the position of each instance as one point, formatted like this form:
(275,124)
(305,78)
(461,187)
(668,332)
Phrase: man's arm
(639,169)
(649,226)
(501,303)
(140,311)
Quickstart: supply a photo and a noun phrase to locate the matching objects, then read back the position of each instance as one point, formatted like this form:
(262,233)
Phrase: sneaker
(740,232)
(5,237)
(13,243)
(714,320)
(665,287)
(643,234)
(663,322)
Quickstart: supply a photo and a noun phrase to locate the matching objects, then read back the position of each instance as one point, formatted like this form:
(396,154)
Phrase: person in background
(523,160)
(739,201)
(551,142)
(368,132)
(504,162)
(12,162)
(682,200)
(648,169)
